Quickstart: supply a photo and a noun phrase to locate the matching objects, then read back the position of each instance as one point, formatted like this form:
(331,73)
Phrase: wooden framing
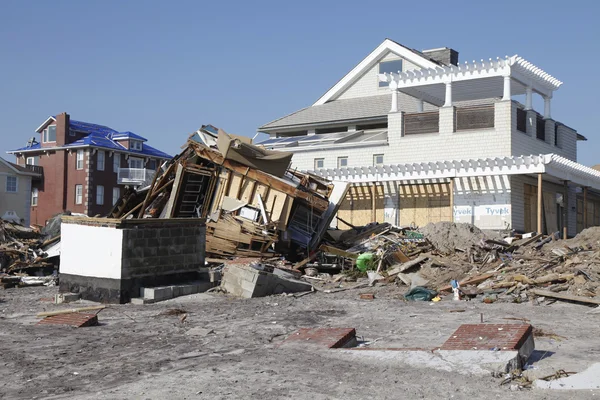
(539,204)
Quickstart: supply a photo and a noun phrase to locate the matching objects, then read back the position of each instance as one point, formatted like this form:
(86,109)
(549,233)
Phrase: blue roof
(104,137)
(128,135)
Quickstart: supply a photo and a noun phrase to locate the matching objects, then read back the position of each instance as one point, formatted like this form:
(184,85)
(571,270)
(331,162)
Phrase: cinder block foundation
(109,260)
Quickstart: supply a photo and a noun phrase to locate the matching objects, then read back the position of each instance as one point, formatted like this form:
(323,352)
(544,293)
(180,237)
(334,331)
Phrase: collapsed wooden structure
(254,204)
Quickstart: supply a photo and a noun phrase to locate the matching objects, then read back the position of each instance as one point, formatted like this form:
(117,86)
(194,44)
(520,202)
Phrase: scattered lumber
(564,296)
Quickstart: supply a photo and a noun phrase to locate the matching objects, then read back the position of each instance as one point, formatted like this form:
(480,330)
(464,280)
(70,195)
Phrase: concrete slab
(588,379)
(156,294)
(66,297)
(244,281)
(467,362)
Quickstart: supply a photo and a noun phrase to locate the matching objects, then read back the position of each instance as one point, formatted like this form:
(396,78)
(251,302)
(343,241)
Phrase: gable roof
(17,168)
(383,49)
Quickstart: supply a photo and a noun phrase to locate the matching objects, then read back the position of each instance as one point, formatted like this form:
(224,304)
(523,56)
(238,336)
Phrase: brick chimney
(443,55)
(62,129)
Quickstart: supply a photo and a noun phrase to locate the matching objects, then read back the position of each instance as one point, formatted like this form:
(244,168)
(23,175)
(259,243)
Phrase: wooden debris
(564,296)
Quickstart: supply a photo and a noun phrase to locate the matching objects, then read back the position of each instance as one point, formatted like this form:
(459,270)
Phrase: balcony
(135,176)
(36,169)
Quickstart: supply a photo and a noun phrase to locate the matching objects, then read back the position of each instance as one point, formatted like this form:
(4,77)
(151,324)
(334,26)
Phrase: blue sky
(162,69)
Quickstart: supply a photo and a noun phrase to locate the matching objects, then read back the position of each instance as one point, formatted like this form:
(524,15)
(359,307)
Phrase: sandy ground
(137,353)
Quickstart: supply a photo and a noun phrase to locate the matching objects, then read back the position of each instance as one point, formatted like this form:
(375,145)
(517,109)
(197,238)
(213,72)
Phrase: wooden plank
(338,252)
(585,211)
(565,213)
(170,207)
(550,212)
(563,296)
(70,311)
(148,195)
(470,281)
(539,204)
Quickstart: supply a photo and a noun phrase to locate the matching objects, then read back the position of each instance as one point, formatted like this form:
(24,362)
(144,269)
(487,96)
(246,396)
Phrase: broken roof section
(254,204)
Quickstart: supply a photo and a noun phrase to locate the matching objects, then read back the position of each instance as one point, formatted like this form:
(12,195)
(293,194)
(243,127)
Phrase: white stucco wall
(91,251)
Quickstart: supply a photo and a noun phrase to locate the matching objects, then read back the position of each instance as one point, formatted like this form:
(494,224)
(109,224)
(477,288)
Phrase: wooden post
(451,189)
(539,204)
(585,216)
(374,202)
(566,211)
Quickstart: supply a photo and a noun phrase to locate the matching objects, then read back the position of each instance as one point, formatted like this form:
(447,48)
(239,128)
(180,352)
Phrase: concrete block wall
(109,260)
(162,249)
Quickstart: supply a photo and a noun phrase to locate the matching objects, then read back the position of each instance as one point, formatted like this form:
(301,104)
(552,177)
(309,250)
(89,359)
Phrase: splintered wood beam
(148,195)
(277,184)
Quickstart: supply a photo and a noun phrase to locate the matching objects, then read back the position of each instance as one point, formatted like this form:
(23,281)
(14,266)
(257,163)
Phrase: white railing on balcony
(135,176)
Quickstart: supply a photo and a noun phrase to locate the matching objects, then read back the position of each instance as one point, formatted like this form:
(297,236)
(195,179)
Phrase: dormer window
(49,134)
(135,145)
(386,67)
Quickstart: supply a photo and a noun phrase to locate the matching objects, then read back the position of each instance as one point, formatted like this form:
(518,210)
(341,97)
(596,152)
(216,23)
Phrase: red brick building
(84,166)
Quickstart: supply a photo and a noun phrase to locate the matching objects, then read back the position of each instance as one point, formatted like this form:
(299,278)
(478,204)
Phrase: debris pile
(446,256)
(254,205)
(23,252)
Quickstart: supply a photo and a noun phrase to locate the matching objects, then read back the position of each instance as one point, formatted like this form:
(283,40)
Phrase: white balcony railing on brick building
(135,176)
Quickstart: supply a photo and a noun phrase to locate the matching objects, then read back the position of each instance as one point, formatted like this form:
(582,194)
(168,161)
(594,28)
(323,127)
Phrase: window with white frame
(116,195)
(136,163)
(135,145)
(319,163)
(80,159)
(32,161)
(11,184)
(78,194)
(101,157)
(342,162)
(99,195)
(34,196)
(392,66)
(377,159)
(49,134)
(116,162)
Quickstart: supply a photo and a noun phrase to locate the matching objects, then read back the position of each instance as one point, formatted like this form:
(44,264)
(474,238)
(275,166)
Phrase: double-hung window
(116,195)
(80,159)
(116,162)
(78,194)
(11,184)
(99,195)
(34,196)
(101,157)
(49,134)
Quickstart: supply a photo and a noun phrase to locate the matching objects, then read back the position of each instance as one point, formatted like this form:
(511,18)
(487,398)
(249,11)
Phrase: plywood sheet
(550,216)
(235,186)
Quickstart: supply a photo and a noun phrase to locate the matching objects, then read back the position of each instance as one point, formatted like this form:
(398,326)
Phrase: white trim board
(381,51)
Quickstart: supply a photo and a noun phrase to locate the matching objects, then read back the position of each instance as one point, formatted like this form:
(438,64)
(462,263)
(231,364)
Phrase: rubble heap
(22,253)
(254,205)
(511,269)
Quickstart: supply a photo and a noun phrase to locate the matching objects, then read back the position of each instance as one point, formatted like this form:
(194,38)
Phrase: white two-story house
(425,138)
